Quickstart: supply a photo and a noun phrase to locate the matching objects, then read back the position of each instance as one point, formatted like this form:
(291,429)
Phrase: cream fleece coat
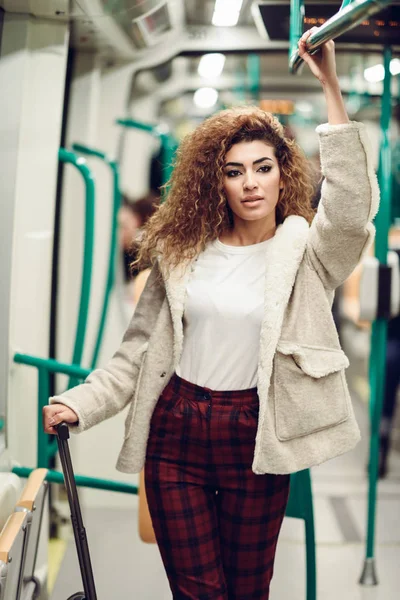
(306,416)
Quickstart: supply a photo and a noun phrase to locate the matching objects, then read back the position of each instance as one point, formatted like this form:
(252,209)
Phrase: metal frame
(377,363)
(82,149)
(349,16)
(79,163)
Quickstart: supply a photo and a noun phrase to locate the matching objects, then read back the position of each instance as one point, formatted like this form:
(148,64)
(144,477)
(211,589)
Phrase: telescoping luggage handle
(81,542)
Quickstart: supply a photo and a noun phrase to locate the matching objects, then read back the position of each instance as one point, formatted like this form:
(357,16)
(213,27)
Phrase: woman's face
(252,180)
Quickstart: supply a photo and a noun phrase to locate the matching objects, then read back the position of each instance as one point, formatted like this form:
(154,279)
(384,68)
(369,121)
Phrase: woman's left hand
(322,63)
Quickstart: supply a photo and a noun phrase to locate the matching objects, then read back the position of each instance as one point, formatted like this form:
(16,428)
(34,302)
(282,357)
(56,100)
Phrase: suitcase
(81,542)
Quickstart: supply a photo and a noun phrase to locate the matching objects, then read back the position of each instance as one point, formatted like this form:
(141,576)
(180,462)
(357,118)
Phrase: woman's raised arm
(323,66)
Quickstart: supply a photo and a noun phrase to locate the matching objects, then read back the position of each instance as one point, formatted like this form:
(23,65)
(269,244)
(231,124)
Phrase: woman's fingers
(55,414)
(322,64)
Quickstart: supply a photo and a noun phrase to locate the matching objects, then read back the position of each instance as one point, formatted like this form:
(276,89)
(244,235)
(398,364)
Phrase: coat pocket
(310,390)
(132,407)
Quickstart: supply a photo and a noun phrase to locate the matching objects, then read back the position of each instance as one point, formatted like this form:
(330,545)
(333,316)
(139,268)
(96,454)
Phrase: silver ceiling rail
(344,20)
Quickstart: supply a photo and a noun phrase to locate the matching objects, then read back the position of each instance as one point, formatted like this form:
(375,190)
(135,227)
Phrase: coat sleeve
(342,229)
(107,391)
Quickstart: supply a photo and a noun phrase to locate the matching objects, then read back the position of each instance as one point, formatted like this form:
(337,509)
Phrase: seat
(31,503)
(13,539)
(300,506)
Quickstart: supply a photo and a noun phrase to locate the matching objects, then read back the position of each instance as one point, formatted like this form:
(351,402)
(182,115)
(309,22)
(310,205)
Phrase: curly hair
(196,210)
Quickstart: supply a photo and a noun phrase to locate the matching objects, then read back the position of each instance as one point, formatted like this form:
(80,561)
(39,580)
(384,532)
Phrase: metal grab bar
(168,143)
(82,149)
(52,365)
(82,481)
(79,163)
(347,18)
(377,363)
(296,25)
(47,445)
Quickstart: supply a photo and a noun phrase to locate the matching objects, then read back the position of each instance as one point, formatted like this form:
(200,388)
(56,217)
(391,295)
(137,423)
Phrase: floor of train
(125,567)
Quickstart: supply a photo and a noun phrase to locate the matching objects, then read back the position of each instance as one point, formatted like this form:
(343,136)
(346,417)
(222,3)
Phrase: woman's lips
(251,200)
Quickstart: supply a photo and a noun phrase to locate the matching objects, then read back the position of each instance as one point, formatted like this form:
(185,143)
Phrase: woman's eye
(264,168)
(232,173)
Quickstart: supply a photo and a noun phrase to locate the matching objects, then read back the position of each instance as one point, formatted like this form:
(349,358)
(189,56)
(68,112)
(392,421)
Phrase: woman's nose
(250,182)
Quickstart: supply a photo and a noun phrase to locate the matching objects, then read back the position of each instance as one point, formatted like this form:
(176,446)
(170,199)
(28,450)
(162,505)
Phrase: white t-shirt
(223,315)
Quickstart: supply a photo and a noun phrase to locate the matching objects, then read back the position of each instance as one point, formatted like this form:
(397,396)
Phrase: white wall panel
(32,71)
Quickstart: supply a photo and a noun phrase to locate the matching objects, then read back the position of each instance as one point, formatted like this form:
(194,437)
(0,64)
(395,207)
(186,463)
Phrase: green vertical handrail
(83,149)
(345,19)
(79,163)
(296,25)
(253,74)
(47,445)
(169,146)
(377,363)
(300,506)
(168,143)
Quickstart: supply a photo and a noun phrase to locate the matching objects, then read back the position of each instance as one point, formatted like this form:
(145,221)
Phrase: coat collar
(284,257)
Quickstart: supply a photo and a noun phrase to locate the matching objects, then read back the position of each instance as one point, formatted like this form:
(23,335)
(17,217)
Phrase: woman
(231,365)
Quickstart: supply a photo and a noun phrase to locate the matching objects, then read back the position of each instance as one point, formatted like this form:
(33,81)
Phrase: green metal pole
(52,365)
(132,123)
(47,445)
(169,144)
(82,481)
(253,74)
(168,149)
(379,327)
(79,163)
(113,242)
(296,25)
(43,399)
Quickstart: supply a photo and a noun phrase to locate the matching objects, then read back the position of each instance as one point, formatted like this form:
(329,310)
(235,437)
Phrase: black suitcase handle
(81,542)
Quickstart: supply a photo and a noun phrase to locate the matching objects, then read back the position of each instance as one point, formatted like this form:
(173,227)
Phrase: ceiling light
(205,97)
(377,72)
(211,65)
(395,66)
(226,12)
(304,107)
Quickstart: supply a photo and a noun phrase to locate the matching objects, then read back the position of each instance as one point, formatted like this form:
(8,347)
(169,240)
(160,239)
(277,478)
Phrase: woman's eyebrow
(256,162)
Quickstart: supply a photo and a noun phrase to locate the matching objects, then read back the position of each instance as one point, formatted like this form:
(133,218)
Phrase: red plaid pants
(215,521)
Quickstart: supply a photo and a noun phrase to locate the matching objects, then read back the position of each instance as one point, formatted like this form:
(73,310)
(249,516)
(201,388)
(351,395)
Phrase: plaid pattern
(216,522)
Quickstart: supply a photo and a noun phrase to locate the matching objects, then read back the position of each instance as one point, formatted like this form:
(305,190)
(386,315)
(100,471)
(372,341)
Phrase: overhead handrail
(348,17)
(83,149)
(167,141)
(66,156)
(377,363)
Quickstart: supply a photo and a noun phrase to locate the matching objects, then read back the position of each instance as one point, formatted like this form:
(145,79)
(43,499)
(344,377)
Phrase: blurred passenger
(132,217)
(128,225)
(231,365)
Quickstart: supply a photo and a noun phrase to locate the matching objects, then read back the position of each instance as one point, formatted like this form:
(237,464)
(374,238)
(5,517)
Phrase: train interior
(95,98)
